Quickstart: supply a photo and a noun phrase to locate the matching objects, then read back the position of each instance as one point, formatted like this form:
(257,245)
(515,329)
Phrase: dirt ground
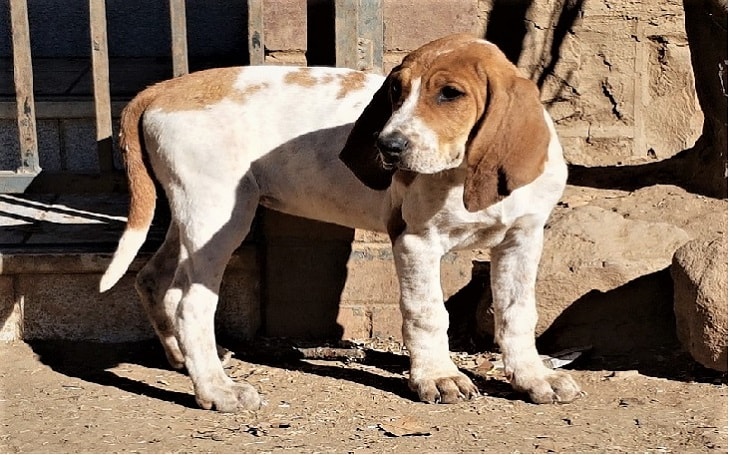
(75,397)
(78,397)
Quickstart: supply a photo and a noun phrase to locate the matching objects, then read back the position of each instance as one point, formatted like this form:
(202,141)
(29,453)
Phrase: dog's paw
(230,397)
(447,389)
(544,385)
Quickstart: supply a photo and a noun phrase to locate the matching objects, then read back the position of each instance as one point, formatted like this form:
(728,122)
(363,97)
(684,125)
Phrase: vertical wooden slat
(359,34)
(256,32)
(100,71)
(346,33)
(23,76)
(179,38)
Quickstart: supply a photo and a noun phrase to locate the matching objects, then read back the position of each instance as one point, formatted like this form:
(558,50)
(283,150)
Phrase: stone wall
(615,75)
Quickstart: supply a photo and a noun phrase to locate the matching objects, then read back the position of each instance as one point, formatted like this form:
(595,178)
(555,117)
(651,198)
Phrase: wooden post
(359,34)
(23,76)
(179,38)
(100,73)
(256,49)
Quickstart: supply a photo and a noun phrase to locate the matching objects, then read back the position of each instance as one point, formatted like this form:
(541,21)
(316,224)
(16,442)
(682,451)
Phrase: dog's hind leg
(219,220)
(160,290)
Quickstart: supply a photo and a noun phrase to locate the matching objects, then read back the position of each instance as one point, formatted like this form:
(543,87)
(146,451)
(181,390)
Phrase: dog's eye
(395,91)
(449,93)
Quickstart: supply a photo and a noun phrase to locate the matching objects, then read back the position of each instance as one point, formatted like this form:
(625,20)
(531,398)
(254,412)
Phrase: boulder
(700,270)
(602,281)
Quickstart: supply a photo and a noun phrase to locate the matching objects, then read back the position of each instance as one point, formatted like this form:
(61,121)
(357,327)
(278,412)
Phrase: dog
(452,150)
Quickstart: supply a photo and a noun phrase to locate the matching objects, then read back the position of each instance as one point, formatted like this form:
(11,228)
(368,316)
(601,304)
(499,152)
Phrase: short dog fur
(452,150)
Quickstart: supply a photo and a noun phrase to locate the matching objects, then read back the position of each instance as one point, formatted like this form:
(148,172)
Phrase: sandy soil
(77,397)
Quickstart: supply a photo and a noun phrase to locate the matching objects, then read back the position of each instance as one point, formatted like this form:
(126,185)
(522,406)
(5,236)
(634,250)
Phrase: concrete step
(292,277)
(53,251)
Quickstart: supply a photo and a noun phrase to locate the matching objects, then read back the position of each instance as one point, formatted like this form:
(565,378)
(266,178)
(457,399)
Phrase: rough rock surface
(604,277)
(601,269)
(699,270)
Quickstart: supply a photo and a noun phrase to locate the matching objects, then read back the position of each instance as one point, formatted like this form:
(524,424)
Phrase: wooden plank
(256,49)
(370,36)
(100,78)
(60,109)
(23,77)
(346,12)
(359,34)
(179,40)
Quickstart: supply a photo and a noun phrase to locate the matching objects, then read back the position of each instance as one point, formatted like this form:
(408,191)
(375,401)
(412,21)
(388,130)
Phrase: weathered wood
(178,29)
(23,77)
(359,34)
(100,78)
(256,49)
(346,33)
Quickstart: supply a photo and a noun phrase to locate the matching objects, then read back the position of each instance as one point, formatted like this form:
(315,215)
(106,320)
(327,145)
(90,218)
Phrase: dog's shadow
(91,362)
(391,379)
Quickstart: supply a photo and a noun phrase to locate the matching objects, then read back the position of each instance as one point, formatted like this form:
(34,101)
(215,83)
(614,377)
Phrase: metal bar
(178,29)
(256,49)
(359,34)
(23,77)
(100,69)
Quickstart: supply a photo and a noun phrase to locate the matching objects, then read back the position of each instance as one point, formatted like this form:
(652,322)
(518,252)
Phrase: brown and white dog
(452,150)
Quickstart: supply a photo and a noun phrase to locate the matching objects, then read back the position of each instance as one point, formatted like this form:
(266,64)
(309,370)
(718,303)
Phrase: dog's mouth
(386,164)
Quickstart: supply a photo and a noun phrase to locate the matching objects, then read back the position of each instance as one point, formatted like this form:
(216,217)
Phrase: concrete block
(412,23)
(387,321)
(48,145)
(239,306)
(11,314)
(79,143)
(355,322)
(70,307)
(285,25)
(371,276)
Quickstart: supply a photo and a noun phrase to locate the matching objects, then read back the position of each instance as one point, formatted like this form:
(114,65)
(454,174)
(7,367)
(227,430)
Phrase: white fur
(280,148)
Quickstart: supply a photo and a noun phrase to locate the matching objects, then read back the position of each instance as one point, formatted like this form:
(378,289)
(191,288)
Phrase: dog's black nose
(392,145)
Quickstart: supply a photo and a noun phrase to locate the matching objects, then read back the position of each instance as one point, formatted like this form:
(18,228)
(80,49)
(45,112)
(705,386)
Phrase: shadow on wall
(507,28)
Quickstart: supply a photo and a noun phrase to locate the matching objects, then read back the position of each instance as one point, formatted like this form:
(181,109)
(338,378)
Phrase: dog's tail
(141,189)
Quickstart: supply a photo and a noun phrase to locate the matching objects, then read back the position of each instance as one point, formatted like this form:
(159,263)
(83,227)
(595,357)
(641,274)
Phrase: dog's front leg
(513,275)
(425,322)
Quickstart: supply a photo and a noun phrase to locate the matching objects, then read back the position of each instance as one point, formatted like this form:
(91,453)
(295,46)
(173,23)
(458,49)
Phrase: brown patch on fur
(396,224)
(194,91)
(142,191)
(500,112)
(350,82)
(240,96)
(302,77)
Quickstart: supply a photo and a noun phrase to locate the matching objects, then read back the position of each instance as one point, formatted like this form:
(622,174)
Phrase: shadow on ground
(90,362)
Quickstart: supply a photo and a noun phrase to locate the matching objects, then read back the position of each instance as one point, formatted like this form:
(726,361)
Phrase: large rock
(593,249)
(603,281)
(699,270)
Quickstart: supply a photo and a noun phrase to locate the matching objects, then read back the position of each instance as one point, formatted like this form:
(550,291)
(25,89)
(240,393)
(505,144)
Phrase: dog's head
(455,101)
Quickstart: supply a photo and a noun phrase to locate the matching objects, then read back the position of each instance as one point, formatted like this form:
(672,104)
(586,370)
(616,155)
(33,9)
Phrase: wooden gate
(358,44)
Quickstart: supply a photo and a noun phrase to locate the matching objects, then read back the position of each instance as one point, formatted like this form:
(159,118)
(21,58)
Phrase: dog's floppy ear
(360,153)
(509,144)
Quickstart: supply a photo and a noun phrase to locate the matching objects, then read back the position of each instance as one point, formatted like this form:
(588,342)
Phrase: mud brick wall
(615,75)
